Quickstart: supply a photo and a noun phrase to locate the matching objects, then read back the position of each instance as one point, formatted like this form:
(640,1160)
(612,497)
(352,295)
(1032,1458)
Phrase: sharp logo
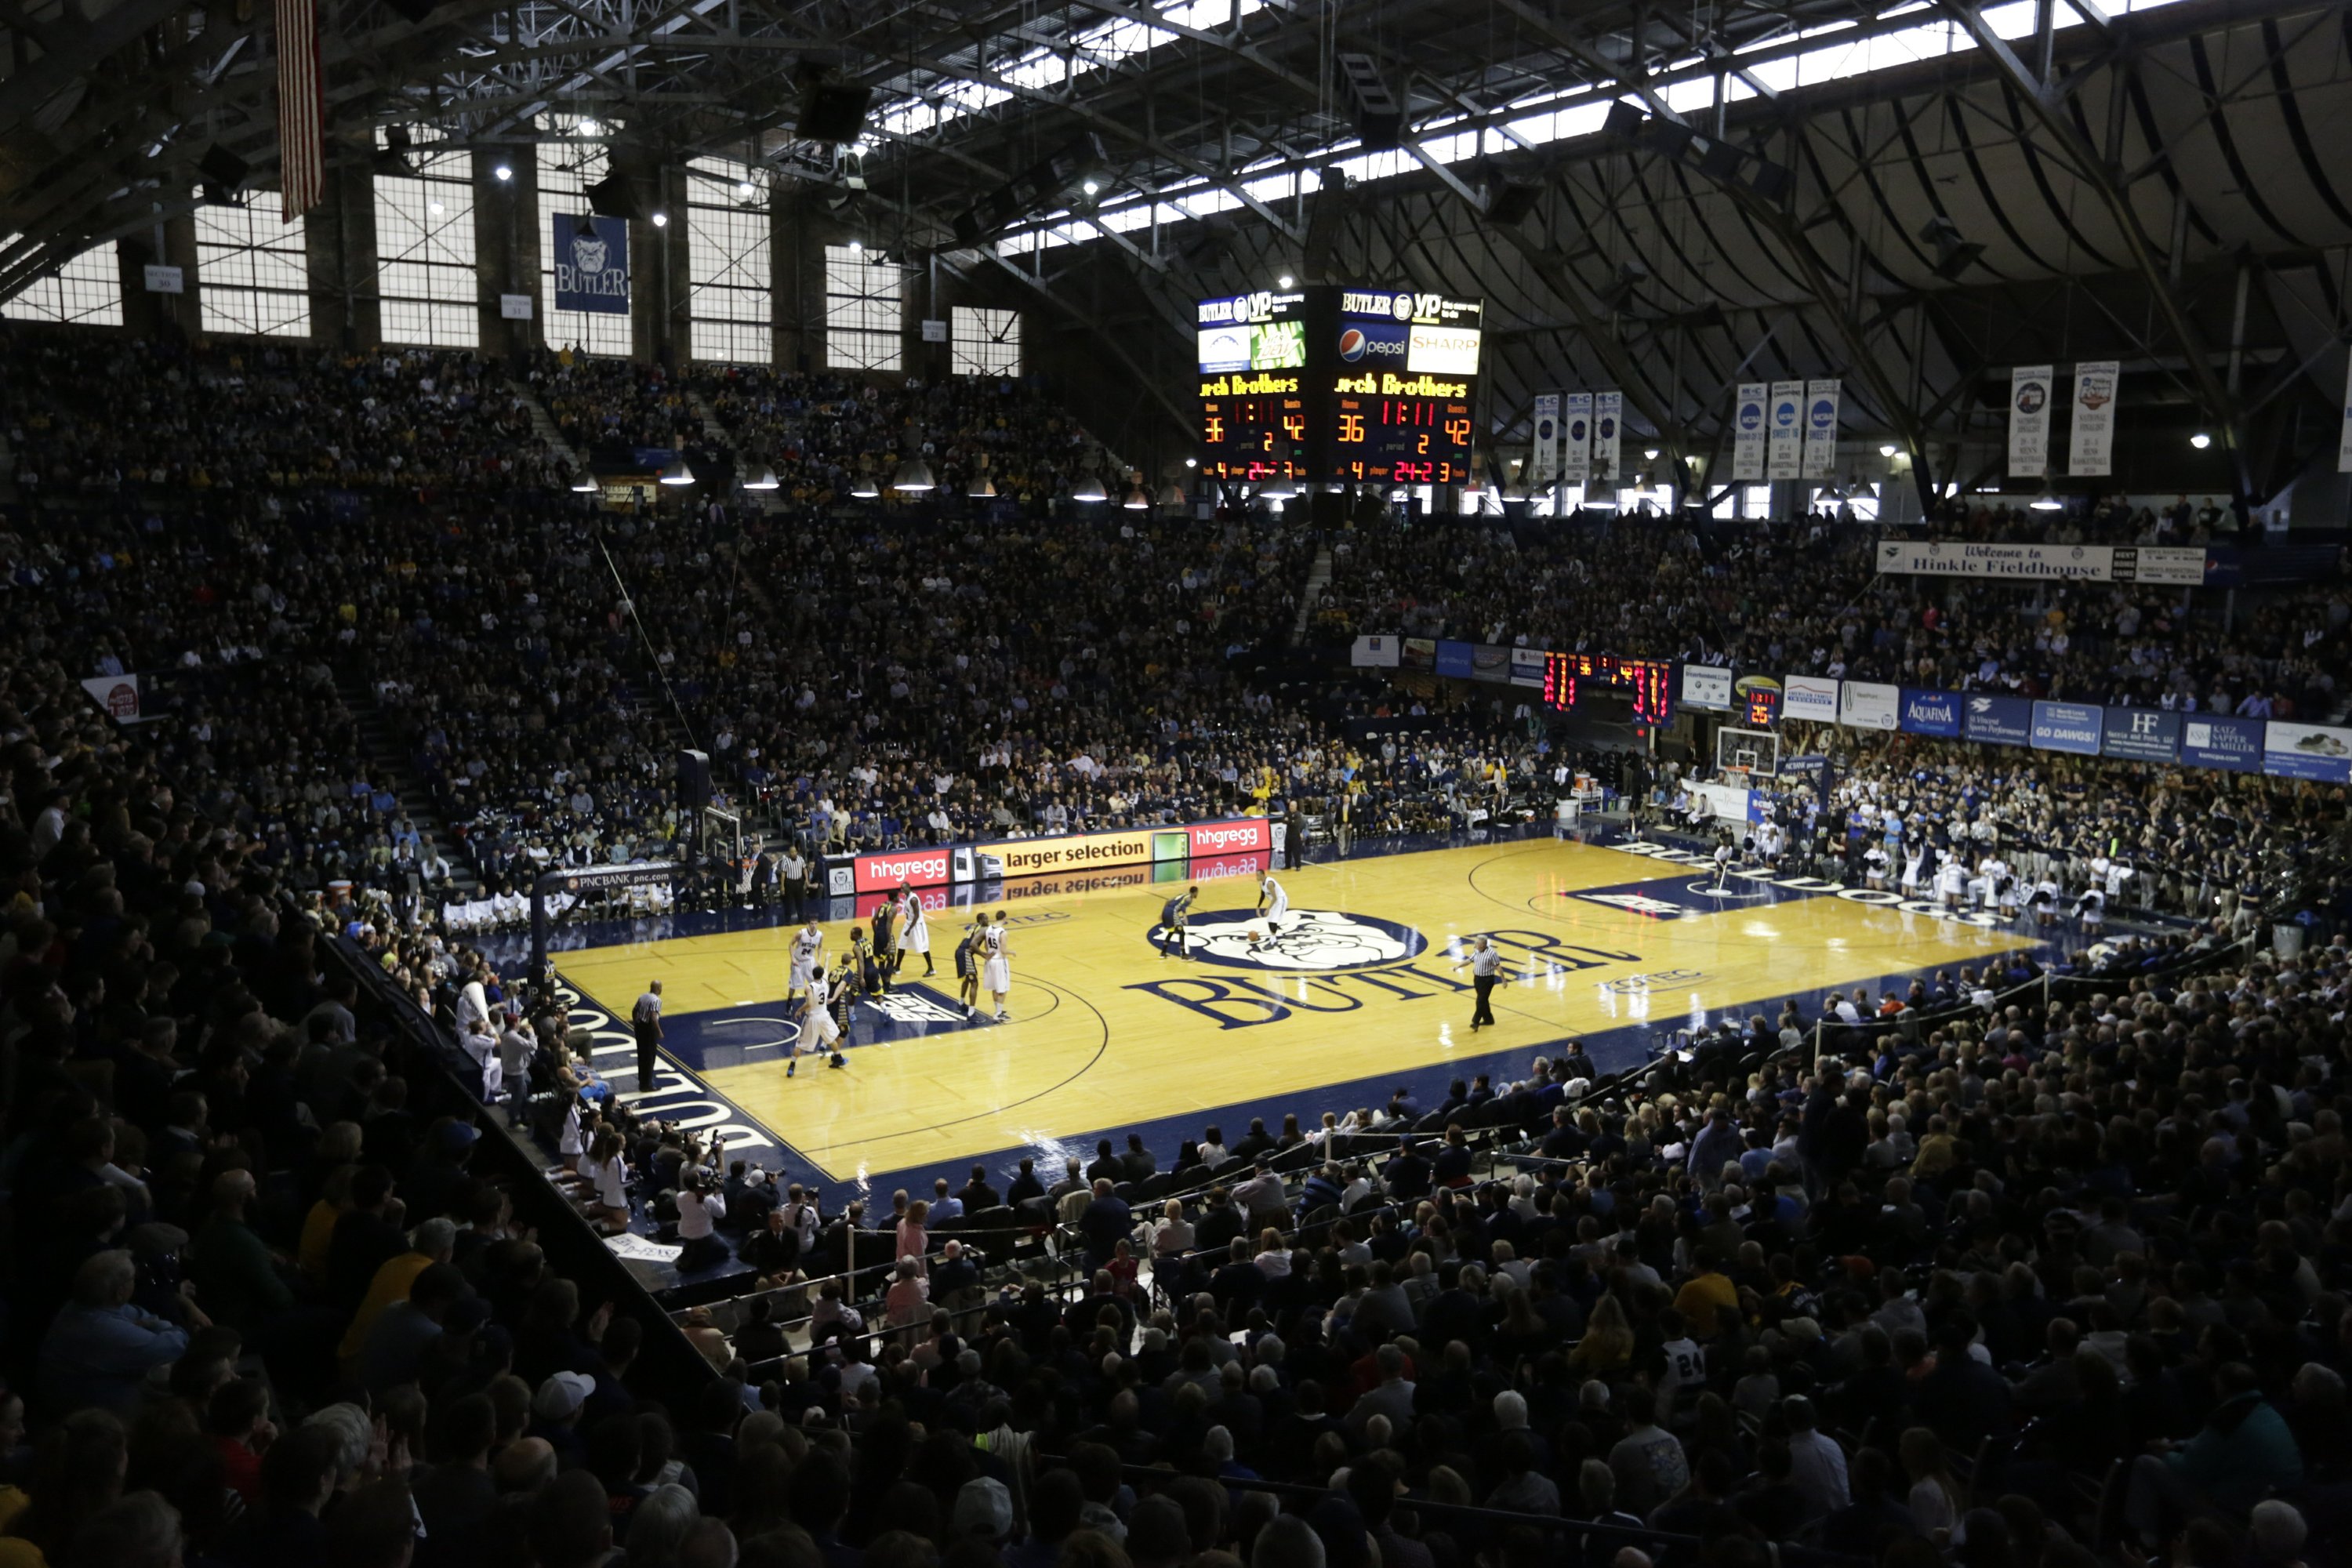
(1636,903)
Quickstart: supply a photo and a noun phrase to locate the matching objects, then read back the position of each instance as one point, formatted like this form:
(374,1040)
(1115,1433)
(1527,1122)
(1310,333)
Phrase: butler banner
(592,263)
(2181,564)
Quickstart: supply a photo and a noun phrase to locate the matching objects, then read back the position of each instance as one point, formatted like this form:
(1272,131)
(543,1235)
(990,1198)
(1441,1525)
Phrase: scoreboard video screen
(1328,383)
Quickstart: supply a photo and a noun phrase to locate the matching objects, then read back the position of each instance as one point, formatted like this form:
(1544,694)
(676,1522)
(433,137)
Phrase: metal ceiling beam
(89,48)
(2042,96)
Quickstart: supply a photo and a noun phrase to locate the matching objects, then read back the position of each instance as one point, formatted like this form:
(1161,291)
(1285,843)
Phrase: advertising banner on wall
(1813,698)
(1707,686)
(1820,428)
(2068,727)
(1576,435)
(1930,713)
(2143,734)
(2181,565)
(1490,661)
(118,694)
(1608,422)
(1747,430)
(592,263)
(1375,653)
(1867,705)
(2307,752)
(1543,453)
(1528,667)
(1785,440)
(2091,445)
(2029,421)
(1453,659)
(1999,720)
(2220,741)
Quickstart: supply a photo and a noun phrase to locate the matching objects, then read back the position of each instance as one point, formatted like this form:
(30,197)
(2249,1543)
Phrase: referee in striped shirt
(1482,962)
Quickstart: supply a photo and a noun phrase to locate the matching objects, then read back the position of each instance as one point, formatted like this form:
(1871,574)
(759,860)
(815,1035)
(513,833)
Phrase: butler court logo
(1336,963)
(1305,939)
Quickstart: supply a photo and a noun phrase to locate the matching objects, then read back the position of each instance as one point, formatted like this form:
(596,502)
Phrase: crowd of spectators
(1807,599)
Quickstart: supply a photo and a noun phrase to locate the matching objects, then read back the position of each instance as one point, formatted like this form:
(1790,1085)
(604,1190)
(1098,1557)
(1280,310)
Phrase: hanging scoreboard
(1370,386)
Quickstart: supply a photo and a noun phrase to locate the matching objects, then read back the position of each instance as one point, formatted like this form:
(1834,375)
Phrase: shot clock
(1333,383)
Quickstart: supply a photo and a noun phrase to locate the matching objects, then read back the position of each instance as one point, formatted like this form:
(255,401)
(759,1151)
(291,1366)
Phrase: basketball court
(1619,946)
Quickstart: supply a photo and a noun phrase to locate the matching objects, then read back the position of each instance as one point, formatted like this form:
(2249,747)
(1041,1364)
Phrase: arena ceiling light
(1171,495)
(765,479)
(914,477)
(864,488)
(1277,488)
(2045,501)
(1136,501)
(504,172)
(2200,441)
(1089,489)
(981,488)
(584,483)
(677,473)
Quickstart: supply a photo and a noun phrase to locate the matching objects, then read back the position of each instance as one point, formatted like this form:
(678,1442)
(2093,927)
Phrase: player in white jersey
(996,970)
(819,1032)
(914,930)
(1272,902)
(807,959)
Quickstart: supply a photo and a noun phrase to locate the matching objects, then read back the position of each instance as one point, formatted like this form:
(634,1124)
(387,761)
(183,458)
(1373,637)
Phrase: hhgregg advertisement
(1068,852)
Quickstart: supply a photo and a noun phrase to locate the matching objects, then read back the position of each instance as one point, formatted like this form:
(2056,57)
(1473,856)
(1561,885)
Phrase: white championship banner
(1784,448)
(2029,421)
(2091,445)
(1821,429)
(1575,428)
(1543,453)
(1747,422)
(1608,415)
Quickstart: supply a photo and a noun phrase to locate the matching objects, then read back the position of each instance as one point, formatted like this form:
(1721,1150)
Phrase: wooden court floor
(1108,1034)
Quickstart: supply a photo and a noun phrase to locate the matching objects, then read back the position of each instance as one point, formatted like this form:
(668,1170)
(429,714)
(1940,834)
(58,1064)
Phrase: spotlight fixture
(855,246)
(914,477)
(504,172)
(1650,453)
(1284,281)
(1954,255)
(1192,462)
(661,220)
(2200,441)
(1093,187)
(765,479)
(677,473)
(1089,489)
(742,188)
(1888,448)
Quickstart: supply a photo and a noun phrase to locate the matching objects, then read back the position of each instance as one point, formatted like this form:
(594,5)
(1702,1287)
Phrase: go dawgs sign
(1873,895)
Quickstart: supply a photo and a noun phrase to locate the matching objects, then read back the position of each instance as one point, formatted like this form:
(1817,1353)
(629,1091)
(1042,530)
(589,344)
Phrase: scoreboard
(1333,383)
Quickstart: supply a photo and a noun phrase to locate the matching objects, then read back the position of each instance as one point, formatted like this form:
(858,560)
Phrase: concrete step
(1318,577)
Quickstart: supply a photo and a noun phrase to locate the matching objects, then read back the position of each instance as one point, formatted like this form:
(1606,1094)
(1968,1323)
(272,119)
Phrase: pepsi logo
(1352,345)
(1356,344)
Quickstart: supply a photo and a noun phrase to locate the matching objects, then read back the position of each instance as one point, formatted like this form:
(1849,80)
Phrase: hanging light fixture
(1277,488)
(1831,492)
(584,483)
(765,479)
(2045,501)
(864,488)
(677,473)
(914,477)
(1089,489)
(1173,496)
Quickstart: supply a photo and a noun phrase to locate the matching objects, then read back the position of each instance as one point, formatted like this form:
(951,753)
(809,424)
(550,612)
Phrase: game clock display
(1339,383)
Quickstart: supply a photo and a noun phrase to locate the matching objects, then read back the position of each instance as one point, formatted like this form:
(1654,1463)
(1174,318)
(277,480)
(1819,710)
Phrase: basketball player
(997,971)
(967,967)
(885,939)
(808,958)
(1272,902)
(1172,922)
(825,1019)
(914,931)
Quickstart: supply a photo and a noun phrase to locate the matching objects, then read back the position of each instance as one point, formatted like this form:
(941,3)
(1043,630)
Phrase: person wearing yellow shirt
(1708,1295)
(433,1242)
(318,1241)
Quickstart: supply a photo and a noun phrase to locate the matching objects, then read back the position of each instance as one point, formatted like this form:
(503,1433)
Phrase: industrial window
(862,326)
(984,342)
(251,271)
(566,170)
(731,303)
(87,290)
(427,284)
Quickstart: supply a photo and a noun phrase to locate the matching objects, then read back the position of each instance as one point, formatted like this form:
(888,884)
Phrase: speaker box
(615,195)
(1624,118)
(833,111)
(693,781)
(1508,202)
(1721,161)
(1379,118)
(223,168)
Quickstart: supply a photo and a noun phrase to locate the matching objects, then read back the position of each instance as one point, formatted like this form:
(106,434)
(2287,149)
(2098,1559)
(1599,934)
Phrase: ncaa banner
(1543,459)
(2142,735)
(2307,752)
(2068,727)
(1867,705)
(2221,740)
(592,263)
(1707,686)
(2090,446)
(2029,420)
(1813,697)
(1931,713)
(1785,431)
(1608,415)
(1576,426)
(1374,653)
(1748,418)
(1820,460)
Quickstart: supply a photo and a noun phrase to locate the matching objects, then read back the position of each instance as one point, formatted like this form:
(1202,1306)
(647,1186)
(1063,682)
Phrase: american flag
(301,110)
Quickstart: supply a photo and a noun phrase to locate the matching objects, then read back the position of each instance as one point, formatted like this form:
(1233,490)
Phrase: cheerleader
(2091,908)
(2045,902)
(1874,867)
(1951,881)
(996,972)
(914,931)
(1914,866)
(2004,891)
